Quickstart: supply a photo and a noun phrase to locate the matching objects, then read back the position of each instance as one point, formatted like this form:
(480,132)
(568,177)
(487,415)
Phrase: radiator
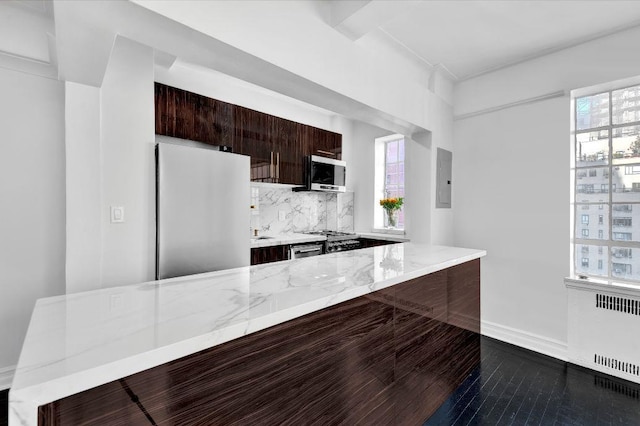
(604,328)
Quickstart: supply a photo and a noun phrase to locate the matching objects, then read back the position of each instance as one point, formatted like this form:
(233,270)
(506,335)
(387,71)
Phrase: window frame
(608,189)
(385,191)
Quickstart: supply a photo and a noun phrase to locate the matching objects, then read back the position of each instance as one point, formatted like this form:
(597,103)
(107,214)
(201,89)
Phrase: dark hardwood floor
(514,386)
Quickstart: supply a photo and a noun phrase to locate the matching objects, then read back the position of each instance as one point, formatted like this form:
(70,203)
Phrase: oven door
(306,250)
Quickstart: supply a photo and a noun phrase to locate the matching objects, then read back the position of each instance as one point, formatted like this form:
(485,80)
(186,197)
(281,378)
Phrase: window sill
(598,284)
(388,231)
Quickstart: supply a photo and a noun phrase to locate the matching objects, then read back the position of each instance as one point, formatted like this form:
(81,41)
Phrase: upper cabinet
(277,147)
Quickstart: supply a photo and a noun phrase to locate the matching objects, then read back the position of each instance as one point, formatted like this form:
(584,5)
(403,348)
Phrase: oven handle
(307,250)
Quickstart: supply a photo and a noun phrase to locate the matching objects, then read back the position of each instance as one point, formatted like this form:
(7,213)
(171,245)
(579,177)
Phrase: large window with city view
(607,185)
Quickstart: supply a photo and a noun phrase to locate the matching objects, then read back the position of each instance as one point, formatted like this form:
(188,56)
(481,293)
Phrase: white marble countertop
(280,239)
(79,341)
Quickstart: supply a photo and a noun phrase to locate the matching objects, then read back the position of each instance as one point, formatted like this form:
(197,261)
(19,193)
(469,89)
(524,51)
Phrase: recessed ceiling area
(468,38)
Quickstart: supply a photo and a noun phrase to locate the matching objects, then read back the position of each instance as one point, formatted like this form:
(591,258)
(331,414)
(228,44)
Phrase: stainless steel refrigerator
(203,216)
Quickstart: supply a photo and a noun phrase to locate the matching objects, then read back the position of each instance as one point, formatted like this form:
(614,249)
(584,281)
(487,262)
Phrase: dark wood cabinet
(390,357)
(320,142)
(269,254)
(371,242)
(251,137)
(277,146)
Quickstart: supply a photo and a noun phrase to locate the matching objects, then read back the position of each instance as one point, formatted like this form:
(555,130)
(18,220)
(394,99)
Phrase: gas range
(338,241)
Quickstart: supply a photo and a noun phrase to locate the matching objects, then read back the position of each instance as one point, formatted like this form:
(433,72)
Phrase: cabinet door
(320,142)
(214,122)
(251,138)
(180,114)
(370,242)
(290,158)
(261,255)
(161,113)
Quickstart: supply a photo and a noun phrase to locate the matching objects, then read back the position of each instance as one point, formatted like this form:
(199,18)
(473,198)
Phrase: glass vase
(392,218)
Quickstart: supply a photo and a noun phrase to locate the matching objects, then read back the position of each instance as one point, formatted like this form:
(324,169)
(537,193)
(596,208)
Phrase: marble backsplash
(280,210)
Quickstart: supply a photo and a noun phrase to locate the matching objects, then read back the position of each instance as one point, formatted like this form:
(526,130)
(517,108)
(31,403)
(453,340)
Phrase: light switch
(117,214)
(282,215)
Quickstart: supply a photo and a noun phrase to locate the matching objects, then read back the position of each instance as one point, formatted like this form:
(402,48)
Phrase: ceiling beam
(355,19)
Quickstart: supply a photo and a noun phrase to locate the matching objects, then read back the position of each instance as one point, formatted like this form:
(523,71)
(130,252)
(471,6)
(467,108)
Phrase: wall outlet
(282,215)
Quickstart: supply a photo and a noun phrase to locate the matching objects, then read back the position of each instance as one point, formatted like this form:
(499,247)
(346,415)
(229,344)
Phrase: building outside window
(606,141)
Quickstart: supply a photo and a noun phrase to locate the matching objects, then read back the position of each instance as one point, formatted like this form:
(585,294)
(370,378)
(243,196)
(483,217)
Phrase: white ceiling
(468,38)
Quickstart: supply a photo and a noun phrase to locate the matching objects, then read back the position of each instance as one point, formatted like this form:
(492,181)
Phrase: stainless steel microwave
(325,174)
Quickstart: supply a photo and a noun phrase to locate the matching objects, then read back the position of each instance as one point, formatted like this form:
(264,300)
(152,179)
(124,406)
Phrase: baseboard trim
(544,345)
(6,376)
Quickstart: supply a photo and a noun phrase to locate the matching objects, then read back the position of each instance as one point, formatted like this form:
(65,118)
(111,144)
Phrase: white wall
(606,59)
(511,184)
(83,188)
(441,225)
(511,194)
(418,196)
(361,151)
(32,193)
(128,165)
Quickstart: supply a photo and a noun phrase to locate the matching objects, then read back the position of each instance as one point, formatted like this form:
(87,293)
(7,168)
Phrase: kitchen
(318,281)
(93,149)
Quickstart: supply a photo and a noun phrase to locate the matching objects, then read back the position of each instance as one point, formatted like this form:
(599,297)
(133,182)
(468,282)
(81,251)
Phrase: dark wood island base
(387,358)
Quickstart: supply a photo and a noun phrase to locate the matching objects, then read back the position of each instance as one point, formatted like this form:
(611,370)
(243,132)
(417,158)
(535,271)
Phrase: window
(621,236)
(394,173)
(606,142)
(622,252)
(389,177)
(622,207)
(632,170)
(622,221)
(621,269)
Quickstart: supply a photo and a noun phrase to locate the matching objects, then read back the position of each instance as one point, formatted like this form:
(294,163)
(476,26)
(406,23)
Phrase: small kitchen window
(389,177)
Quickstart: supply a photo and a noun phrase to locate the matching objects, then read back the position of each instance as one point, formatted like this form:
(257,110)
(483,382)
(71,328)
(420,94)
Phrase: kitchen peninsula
(378,335)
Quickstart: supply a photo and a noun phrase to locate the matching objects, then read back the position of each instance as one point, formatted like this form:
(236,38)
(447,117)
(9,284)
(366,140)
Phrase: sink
(262,238)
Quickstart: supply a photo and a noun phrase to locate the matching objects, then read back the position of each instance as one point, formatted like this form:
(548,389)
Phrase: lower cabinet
(371,242)
(388,358)
(269,254)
